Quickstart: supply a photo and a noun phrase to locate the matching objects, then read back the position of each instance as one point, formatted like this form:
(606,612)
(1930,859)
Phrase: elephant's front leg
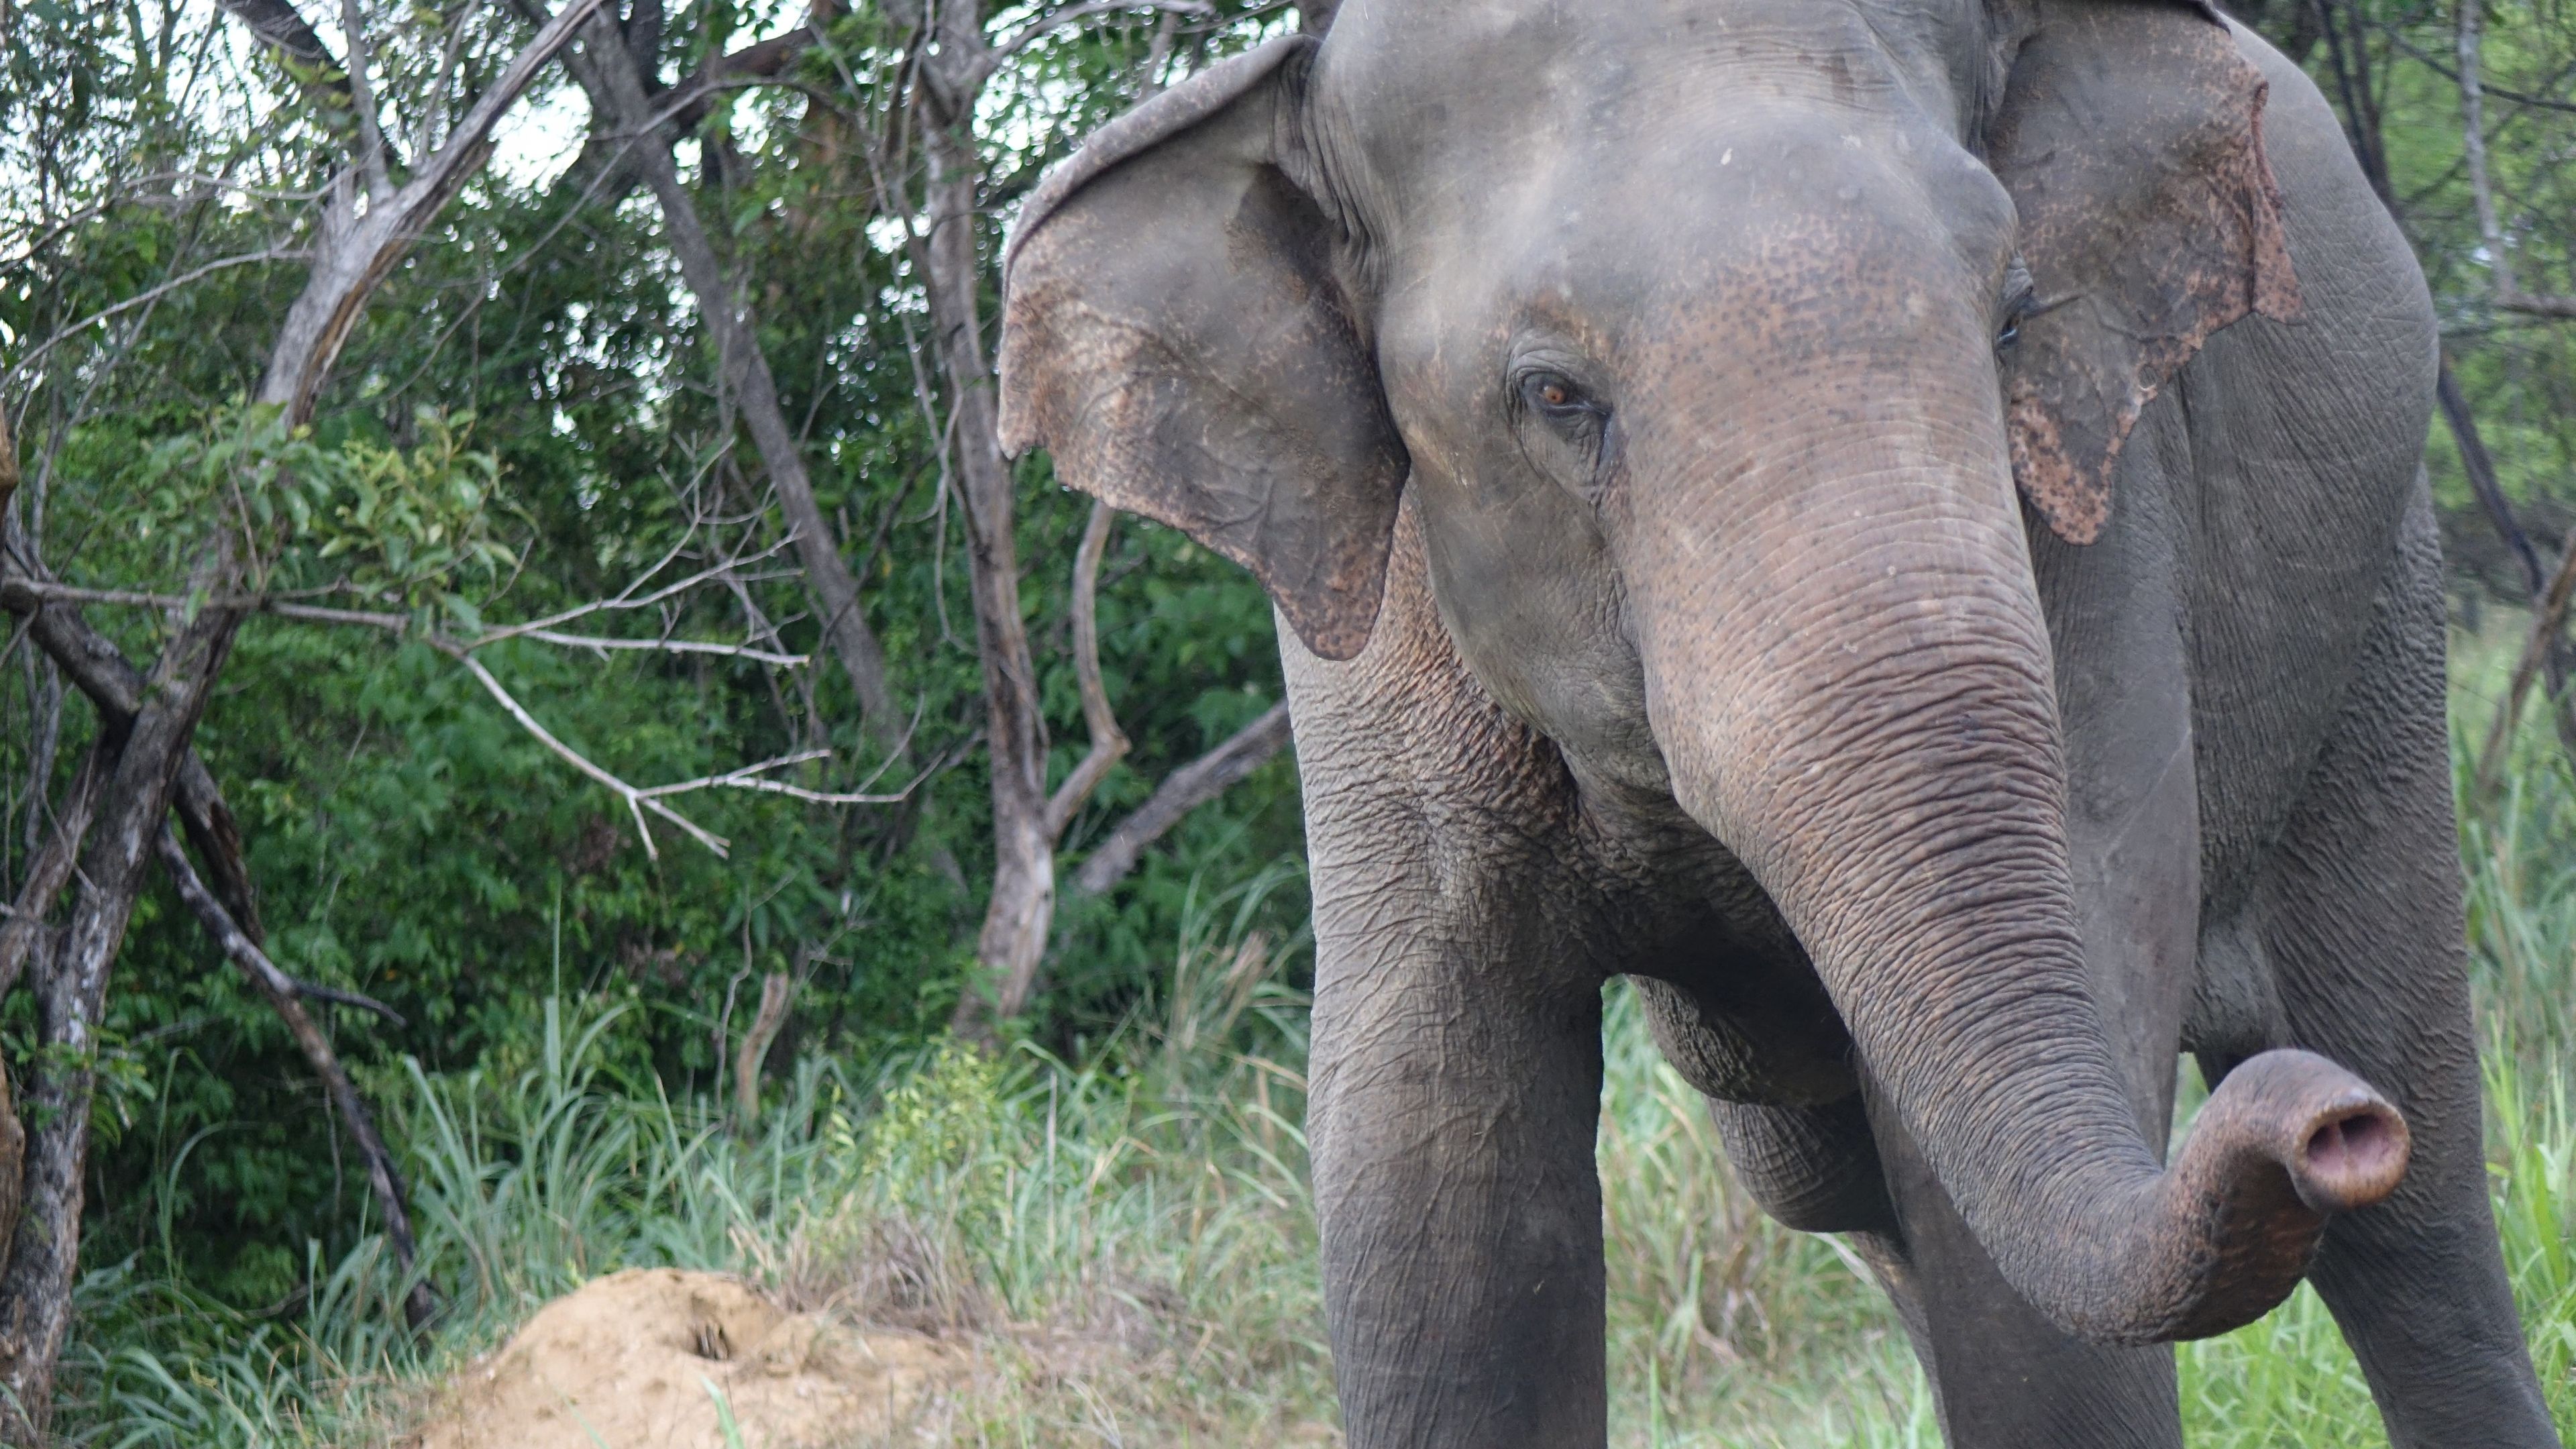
(1452,1128)
(1456,1051)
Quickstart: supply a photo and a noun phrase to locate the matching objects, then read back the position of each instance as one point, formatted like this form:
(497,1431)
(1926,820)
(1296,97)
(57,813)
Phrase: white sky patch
(537,138)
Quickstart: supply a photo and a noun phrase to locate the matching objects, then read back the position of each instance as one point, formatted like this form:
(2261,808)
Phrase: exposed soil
(637,1360)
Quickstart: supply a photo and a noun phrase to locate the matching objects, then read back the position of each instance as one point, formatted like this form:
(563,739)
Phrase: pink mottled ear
(1174,331)
(2131,138)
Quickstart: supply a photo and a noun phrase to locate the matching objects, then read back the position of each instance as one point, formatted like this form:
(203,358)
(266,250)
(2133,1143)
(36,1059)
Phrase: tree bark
(1182,791)
(609,74)
(70,983)
(1021,909)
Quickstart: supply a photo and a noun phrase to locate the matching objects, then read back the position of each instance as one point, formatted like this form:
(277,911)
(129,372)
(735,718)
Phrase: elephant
(1897,526)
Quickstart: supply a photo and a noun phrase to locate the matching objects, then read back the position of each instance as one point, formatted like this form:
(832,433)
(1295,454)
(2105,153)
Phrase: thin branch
(284,995)
(358,251)
(333,995)
(1046,25)
(748,778)
(393,623)
(637,801)
(362,98)
(1109,743)
(2427,59)
(1182,791)
(662,646)
(144,299)
(51,869)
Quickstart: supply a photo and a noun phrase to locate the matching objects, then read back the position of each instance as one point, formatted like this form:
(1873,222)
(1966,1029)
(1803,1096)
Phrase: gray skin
(1624,405)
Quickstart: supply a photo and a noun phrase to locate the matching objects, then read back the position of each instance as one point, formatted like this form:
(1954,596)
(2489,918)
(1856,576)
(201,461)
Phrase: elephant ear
(2130,135)
(1174,330)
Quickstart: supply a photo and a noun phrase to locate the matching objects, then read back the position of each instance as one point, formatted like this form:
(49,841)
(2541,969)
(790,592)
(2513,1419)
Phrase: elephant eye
(1554,397)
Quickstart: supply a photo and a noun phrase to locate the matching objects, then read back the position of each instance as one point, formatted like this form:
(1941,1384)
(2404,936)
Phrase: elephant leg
(1452,1127)
(2362,926)
(1456,1054)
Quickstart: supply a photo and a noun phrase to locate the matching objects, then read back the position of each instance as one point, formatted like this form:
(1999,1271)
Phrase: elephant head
(1710,338)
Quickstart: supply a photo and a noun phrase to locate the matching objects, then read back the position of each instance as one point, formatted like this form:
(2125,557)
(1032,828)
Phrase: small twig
(1047,25)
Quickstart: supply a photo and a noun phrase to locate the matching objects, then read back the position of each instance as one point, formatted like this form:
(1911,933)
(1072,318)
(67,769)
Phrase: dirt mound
(637,1359)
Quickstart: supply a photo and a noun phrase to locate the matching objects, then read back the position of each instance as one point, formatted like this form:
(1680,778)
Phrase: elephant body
(1625,453)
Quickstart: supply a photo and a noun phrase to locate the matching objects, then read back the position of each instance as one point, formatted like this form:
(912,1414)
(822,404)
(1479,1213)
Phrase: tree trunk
(609,74)
(70,982)
(1021,910)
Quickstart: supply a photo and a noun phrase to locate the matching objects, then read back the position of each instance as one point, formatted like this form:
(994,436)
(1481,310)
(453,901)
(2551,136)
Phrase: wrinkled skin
(1625,406)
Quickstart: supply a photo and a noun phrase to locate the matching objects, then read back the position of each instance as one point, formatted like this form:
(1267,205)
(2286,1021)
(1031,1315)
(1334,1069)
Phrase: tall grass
(1128,1240)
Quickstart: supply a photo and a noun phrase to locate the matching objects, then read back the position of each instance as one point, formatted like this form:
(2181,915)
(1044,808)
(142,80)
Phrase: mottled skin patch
(1713,648)
(2129,292)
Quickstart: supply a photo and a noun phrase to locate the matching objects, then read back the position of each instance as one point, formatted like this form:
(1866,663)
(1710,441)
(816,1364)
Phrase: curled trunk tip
(2287,1141)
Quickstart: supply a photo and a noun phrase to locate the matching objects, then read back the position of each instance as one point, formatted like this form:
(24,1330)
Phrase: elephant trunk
(1849,675)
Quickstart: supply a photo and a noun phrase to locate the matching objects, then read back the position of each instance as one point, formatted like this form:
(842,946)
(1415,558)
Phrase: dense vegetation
(534,413)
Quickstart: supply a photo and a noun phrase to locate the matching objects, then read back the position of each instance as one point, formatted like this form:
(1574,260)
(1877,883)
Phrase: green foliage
(380,523)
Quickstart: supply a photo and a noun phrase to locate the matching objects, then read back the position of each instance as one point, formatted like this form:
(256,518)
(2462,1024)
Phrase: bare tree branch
(356,250)
(362,98)
(51,869)
(285,993)
(1182,791)
(637,801)
(48,592)
(70,986)
(1109,743)
(154,758)
(29,358)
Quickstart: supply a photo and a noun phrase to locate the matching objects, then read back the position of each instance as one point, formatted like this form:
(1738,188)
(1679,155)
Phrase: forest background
(521,485)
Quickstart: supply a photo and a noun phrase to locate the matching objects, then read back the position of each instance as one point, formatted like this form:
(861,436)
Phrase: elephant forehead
(1421,94)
